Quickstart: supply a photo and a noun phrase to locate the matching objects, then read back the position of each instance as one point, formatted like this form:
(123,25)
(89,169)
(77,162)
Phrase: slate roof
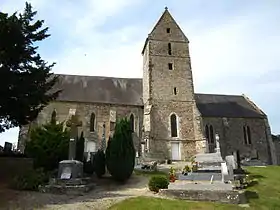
(128,91)
(100,89)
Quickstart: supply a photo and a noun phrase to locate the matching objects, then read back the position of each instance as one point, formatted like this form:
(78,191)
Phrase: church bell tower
(171,120)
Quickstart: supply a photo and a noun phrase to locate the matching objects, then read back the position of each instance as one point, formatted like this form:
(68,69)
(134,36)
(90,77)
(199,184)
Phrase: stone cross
(73,123)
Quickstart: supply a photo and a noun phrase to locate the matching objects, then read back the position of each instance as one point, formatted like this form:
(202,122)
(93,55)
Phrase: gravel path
(103,196)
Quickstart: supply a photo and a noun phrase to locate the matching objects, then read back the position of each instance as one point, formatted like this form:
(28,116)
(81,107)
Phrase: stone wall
(11,166)
(102,114)
(231,135)
(229,197)
(277,148)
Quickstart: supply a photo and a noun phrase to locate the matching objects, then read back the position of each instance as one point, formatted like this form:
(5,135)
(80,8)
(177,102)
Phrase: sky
(234,44)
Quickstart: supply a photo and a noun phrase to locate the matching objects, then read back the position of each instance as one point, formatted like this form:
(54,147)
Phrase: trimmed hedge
(158,182)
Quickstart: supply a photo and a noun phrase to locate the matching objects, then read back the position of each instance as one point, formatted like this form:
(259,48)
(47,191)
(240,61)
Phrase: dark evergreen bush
(48,146)
(13,154)
(120,153)
(30,180)
(158,182)
(99,163)
(80,147)
(88,167)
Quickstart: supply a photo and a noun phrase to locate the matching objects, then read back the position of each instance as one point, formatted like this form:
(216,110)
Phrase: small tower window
(175,91)
(212,135)
(131,119)
(92,123)
(247,135)
(168,30)
(173,122)
(169,48)
(170,66)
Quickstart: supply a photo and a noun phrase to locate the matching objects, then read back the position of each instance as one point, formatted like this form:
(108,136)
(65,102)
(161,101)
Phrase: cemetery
(206,177)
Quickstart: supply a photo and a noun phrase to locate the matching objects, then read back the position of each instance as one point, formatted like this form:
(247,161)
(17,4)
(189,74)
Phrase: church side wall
(277,149)
(231,135)
(102,113)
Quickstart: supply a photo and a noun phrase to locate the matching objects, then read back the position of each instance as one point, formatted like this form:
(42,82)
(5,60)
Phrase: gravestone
(210,161)
(8,147)
(230,160)
(224,171)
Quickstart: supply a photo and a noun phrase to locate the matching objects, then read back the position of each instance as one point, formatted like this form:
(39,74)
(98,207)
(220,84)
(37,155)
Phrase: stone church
(169,120)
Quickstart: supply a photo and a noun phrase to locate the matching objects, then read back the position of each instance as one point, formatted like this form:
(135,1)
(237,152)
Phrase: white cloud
(230,58)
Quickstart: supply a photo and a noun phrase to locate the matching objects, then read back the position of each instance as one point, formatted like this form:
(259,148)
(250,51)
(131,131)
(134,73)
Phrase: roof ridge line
(96,76)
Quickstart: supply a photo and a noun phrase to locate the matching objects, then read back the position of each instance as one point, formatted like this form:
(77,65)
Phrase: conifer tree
(120,153)
(80,147)
(26,81)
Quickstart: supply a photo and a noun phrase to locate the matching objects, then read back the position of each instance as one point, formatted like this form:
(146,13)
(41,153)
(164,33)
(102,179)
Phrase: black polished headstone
(8,147)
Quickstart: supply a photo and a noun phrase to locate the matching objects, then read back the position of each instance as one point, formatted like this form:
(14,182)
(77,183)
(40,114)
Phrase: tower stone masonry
(173,121)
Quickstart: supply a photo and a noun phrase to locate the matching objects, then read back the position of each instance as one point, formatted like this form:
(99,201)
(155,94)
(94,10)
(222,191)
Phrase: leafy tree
(48,145)
(120,153)
(80,147)
(26,81)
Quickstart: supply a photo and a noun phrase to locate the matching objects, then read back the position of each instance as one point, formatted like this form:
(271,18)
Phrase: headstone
(210,161)
(224,171)
(230,160)
(8,147)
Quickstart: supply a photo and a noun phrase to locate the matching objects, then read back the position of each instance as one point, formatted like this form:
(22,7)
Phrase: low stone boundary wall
(11,166)
(230,197)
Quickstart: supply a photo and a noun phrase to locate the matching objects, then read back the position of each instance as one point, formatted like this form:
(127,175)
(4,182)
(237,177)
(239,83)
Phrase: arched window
(131,119)
(207,133)
(169,48)
(53,117)
(211,134)
(247,135)
(173,122)
(92,123)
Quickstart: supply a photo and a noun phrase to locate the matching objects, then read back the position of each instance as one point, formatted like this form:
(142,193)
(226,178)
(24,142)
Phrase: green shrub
(48,146)
(30,180)
(158,182)
(99,163)
(120,152)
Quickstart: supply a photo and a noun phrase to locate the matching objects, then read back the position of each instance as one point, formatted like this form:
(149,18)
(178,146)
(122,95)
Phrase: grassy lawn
(264,194)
